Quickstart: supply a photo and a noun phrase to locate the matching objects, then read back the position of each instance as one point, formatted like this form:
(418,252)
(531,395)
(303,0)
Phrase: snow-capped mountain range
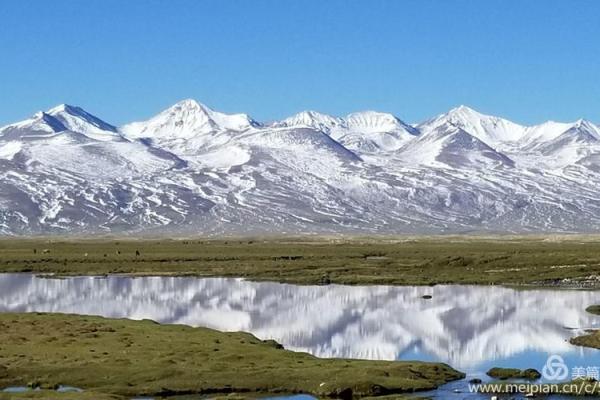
(194,170)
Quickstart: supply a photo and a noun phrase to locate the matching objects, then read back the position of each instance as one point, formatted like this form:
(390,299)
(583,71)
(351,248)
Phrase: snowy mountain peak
(187,119)
(451,145)
(465,110)
(222,121)
(374,132)
(65,108)
(583,130)
(586,125)
(190,106)
(493,131)
(373,121)
(544,135)
(311,119)
(190,103)
(76,119)
(464,114)
(189,112)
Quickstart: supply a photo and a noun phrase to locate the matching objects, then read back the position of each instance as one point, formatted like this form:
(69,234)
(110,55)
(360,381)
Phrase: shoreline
(591,286)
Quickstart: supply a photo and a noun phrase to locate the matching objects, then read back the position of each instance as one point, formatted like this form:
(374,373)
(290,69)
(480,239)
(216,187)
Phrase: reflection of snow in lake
(469,327)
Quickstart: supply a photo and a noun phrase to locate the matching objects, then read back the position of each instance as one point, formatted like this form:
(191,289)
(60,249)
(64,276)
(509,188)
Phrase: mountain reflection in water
(463,326)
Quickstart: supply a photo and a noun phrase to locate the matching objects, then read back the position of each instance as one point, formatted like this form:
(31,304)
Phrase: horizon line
(270,121)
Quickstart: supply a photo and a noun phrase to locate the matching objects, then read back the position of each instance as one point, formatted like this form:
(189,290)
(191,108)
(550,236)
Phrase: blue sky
(126,60)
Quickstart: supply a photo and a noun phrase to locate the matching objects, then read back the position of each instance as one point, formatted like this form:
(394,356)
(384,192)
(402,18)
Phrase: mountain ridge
(193,170)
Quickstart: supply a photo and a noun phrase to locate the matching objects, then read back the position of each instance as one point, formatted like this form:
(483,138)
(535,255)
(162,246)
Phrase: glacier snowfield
(193,170)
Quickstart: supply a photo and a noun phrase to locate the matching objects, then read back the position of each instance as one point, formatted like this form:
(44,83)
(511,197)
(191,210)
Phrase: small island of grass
(595,309)
(590,339)
(514,373)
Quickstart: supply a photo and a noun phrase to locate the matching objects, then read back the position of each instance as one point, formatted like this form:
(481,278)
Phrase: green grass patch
(131,358)
(568,260)
(514,373)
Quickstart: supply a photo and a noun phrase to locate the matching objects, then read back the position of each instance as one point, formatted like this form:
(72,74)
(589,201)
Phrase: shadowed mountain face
(469,327)
(194,170)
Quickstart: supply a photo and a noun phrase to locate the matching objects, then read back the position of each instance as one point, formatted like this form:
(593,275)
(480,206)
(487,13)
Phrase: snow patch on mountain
(9,149)
(226,157)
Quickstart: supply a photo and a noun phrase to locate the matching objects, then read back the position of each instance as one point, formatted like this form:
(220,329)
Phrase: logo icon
(555,369)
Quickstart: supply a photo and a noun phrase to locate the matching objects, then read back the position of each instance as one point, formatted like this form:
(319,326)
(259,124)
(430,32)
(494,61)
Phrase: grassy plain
(559,260)
(131,358)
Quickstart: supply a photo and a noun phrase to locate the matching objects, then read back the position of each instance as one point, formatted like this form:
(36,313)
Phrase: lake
(472,328)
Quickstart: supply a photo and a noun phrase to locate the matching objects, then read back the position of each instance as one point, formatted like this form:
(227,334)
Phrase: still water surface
(471,328)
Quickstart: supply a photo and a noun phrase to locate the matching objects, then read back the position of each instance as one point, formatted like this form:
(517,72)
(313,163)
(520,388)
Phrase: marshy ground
(554,261)
(116,358)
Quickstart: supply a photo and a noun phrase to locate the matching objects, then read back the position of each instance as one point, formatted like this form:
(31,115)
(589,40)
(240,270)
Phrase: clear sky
(126,60)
